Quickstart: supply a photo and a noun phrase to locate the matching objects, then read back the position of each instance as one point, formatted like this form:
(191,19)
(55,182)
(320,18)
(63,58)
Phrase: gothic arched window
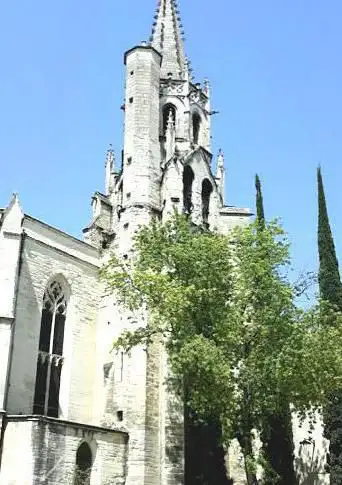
(167,109)
(84,460)
(207,189)
(50,359)
(188,178)
(196,126)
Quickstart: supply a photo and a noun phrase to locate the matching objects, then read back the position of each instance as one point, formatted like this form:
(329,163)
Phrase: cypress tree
(259,203)
(276,436)
(331,291)
(329,276)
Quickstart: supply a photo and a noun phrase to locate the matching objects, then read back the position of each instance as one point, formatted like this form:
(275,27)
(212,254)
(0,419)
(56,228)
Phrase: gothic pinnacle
(220,173)
(220,163)
(170,136)
(109,169)
(170,120)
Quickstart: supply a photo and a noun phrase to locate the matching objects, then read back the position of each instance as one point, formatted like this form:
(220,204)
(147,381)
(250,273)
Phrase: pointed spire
(109,170)
(167,39)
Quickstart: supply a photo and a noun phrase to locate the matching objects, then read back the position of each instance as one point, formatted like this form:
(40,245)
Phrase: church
(72,411)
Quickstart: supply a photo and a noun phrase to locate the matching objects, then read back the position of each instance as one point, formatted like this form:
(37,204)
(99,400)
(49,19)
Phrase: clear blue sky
(276,74)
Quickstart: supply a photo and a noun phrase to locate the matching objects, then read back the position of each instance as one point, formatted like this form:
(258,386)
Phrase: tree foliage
(259,203)
(329,276)
(276,433)
(331,291)
(237,347)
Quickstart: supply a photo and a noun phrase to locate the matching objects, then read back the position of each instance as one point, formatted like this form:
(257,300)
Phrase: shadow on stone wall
(204,454)
(310,466)
(174,431)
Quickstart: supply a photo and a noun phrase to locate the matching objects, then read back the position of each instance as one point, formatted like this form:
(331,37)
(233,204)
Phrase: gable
(200,162)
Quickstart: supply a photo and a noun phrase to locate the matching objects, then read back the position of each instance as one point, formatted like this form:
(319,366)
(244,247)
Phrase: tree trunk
(245,441)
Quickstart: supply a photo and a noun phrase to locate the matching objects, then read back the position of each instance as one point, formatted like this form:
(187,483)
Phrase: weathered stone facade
(50,446)
(116,403)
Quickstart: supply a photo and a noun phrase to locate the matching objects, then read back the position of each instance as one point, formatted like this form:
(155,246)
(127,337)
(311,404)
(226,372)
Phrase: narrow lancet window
(196,126)
(50,354)
(207,189)
(188,178)
(84,459)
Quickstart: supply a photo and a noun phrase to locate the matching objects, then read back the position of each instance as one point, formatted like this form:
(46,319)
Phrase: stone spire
(167,39)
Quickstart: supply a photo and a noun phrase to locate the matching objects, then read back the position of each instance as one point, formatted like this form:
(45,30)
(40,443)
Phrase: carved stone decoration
(54,298)
(173,88)
(197,96)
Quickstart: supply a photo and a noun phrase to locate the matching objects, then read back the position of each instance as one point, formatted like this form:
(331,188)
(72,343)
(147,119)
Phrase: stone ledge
(72,424)
(230,210)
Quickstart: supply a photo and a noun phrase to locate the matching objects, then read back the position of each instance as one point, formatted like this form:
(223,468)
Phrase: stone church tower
(71,410)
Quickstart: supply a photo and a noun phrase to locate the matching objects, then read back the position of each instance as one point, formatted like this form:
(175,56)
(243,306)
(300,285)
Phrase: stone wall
(38,450)
(310,449)
(5,343)
(42,263)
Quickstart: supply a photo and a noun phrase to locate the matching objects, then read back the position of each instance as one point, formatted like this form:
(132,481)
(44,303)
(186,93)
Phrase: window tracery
(50,353)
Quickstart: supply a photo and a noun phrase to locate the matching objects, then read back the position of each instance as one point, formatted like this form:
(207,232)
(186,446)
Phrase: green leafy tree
(233,355)
(276,435)
(330,291)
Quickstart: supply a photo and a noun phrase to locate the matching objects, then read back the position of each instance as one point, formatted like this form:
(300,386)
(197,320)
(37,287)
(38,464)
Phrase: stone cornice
(63,422)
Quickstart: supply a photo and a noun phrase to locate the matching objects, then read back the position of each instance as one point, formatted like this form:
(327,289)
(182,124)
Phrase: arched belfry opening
(167,110)
(188,178)
(50,352)
(84,461)
(196,127)
(207,189)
